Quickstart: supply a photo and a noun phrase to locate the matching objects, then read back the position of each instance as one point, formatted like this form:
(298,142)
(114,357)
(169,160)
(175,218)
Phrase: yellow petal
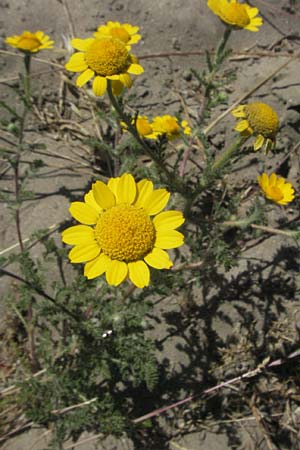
(117,87)
(139,274)
(242,126)
(263,180)
(84,77)
(126,80)
(77,63)
(273,179)
(97,266)
(126,189)
(168,239)
(259,142)
(83,213)
(135,39)
(79,234)
(84,252)
(82,44)
(156,201)
(90,200)
(145,189)
(168,220)
(112,184)
(116,272)
(135,69)
(99,86)
(159,259)
(103,195)
(40,35)
(252,12)
(239,111)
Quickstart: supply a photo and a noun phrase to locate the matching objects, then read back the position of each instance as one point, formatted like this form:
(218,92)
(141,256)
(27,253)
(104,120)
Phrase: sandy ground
(170,26)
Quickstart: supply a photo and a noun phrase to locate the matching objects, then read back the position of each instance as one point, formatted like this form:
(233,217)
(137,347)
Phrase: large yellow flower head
(236,15)
(104,58)
(169,126)
(125,32)
(276,189)
(30,42)
(118,234)
(258,119)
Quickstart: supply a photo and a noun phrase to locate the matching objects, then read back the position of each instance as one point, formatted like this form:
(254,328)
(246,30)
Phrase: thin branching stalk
(172,178)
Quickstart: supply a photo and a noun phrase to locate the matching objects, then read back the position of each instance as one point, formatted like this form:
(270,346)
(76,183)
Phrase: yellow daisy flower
(143,127)
(104,58)
(169,125)
(118,235)
(276,189)
(258,119)
(30,42)
(236,15)
(125,32)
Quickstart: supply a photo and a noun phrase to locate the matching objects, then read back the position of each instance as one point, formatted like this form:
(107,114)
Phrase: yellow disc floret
(262,119)
(108,56)
(125,233)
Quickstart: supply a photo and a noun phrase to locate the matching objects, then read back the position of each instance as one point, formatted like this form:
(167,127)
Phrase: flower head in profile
(276,189)
(125,32)
(260,120)
(123,230)
(102,59)
(236,15)
(169,126)
(30,42)
(143,127)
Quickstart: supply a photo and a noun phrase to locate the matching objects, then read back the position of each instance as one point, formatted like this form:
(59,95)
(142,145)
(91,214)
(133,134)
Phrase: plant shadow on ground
(232,329)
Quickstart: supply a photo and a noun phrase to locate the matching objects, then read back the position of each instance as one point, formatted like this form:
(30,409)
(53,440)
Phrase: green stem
(219,56)
(27,63)
(221,161)
(180,187)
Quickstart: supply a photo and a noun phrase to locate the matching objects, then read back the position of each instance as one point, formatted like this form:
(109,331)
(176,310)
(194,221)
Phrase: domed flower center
(120,33)
(29,43)
(262,119)
(235,14)
(125,232)
(108,56)
(274,193)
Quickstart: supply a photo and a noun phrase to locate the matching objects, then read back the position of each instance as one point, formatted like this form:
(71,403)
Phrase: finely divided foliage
(162,220)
